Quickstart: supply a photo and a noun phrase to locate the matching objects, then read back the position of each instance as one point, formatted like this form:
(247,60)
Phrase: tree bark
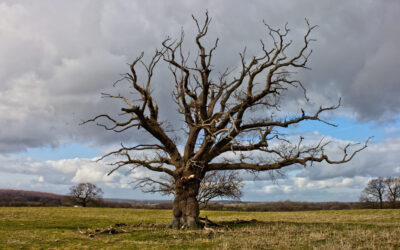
(186,206)
(380,200)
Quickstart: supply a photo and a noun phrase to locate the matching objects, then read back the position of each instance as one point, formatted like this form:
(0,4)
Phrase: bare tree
(83,193)
(236,111)
(374,191)
(214,184)
(393,190)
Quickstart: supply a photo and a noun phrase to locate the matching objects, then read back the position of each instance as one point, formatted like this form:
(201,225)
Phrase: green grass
(67,228)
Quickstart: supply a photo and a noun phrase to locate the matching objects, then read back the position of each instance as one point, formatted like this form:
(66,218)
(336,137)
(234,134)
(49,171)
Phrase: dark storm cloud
(56,58)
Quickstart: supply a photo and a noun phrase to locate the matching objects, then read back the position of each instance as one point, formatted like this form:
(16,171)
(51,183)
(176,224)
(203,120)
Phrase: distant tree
(393,190)
(214,184)
(85,193)
(374,191)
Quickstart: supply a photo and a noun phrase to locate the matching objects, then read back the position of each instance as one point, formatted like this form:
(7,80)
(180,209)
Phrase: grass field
(74,228)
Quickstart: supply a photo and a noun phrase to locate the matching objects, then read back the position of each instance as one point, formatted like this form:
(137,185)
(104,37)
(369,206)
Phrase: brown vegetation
(23,198)
(19,198)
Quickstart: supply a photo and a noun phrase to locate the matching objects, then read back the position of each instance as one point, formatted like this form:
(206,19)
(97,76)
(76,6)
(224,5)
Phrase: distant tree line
(28,198)
(18,198)
(382,192)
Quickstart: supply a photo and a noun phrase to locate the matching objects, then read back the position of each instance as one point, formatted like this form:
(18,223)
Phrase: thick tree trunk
(186,207)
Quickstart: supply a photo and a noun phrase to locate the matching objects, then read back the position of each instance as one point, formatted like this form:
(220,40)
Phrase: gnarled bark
(186,208)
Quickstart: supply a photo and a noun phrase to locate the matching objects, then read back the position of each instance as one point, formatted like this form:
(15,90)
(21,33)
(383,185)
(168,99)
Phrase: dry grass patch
(71,228)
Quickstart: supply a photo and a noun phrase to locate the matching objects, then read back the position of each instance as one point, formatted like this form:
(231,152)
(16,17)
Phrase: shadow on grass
(148,231)
(337,226)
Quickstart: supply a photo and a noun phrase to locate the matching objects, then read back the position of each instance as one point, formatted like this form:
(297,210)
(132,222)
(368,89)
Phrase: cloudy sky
(56,57)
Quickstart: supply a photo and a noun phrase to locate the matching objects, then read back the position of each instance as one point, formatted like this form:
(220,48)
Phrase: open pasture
(89,228)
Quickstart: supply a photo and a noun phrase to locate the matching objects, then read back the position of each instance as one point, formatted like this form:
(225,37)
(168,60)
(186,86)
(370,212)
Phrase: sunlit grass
(58,228)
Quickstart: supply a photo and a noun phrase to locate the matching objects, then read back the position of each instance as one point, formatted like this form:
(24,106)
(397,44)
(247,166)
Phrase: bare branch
(302,157)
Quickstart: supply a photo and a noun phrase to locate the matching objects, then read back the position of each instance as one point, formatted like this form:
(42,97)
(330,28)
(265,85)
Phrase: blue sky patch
(67,151)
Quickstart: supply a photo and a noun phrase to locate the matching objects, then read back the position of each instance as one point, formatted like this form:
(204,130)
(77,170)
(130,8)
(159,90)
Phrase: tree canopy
(85,193)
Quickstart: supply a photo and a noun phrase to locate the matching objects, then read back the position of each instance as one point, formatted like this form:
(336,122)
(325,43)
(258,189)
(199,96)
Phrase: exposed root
(209,227)
(208,224)
(117,229)
(237,221)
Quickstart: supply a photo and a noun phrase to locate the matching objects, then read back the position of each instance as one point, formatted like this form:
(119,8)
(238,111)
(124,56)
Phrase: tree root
(117,229)
(237,221)
(210,224)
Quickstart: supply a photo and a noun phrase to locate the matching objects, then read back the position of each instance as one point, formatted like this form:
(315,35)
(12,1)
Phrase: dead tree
(84,193)
(214,184)
(236,111)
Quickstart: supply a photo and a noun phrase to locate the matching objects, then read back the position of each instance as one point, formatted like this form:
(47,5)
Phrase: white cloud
(378,159)
(392,130)
(270,189)
(305,189)
(40,179)
(64,173)
(300,182)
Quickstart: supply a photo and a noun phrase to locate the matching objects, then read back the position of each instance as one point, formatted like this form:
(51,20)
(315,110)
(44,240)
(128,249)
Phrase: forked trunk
(186,207)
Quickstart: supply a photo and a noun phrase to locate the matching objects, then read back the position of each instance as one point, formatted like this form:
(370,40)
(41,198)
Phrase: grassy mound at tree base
(75,228)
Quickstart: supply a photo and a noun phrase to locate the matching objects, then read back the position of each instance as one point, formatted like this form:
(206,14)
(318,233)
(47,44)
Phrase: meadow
(112,228)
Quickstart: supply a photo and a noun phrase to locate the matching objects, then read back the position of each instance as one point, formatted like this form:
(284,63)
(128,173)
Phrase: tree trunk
(186,206)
